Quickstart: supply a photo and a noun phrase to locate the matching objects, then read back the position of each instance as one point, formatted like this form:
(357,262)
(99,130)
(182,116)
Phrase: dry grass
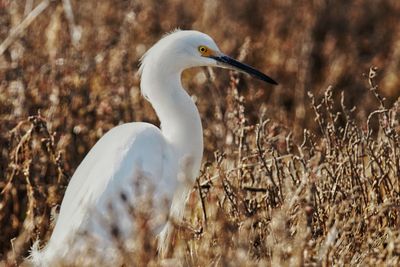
(292,176)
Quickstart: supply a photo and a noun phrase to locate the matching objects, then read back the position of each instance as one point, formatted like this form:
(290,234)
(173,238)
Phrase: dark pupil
(203,49)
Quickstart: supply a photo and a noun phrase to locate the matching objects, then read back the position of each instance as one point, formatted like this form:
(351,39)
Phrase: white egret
(108,174)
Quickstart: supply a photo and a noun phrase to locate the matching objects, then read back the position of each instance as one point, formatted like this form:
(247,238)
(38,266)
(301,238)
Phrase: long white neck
(179,117)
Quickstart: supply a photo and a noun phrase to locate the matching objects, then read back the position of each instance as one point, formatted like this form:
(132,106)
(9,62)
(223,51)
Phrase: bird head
(187,49)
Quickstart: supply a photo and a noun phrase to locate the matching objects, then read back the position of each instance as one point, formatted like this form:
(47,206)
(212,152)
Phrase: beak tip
(270,81)
(236,65)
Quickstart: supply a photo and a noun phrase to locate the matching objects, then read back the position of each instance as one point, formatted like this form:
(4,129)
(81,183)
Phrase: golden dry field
(306,173)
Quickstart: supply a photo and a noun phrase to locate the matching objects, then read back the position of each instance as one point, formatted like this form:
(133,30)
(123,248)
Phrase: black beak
(230,63)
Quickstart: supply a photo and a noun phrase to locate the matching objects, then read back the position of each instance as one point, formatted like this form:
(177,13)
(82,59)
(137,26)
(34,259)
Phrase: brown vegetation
(307,173)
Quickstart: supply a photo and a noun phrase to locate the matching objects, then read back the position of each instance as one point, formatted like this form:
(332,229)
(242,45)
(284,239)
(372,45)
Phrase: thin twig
(203,205)
(74,30)
(19,29)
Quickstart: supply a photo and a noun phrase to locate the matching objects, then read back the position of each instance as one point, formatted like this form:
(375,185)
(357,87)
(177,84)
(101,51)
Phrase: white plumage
(135,160)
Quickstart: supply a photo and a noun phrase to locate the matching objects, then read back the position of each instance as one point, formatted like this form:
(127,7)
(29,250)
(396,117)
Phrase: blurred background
(77,64)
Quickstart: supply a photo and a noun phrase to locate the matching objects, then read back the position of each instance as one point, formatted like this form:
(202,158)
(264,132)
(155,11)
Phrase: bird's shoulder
(121,149)
(128,133)
(115,159)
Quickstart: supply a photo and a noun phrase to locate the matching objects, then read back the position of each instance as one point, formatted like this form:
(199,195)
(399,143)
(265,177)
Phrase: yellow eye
(203,49)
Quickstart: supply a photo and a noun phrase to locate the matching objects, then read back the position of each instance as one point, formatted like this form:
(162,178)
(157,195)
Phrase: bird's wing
(113,166)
